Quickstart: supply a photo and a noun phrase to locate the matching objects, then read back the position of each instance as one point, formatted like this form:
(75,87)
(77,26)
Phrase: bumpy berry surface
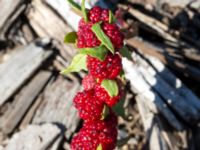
(85,140)
(86,38)
(89,107)
(94,133)
(113,32)
(88,82)
(107,69)
(103,95)
(97,14)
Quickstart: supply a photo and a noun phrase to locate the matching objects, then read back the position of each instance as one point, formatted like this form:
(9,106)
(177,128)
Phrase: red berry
(97,14)
(103,95)
(88,82)
(113,32)
(85,140)
(86,38)
(107,69)
(89,107)
(92,134)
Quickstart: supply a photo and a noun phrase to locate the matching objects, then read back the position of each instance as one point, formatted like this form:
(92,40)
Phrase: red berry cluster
(91,103)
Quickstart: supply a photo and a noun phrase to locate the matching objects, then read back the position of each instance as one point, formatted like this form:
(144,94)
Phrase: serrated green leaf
(105,112)
(111,87)
(124,51)
(119,108)
(78,63)
(84,11)
(105,40)
(74,5)
(99,147)
(71,37)
(97,52)
(112,18)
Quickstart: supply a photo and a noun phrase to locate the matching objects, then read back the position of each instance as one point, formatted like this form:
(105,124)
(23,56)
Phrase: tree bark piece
(57,105)
(34,137)
(23,102)
(154,136)
(65,11)
(174,82)
(9,11)
(53,26)
(180,66)
(142,88)
(171,96)
(13,75)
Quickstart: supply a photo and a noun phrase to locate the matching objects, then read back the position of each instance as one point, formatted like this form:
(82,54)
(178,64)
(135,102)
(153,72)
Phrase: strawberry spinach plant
(100,51)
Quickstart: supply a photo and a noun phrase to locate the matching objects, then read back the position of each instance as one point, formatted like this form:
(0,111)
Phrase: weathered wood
(155,139)
(142,88)
(8,13)
(160,28)
(153,23)
(65,11)
(57,105)
(34,137)
(154,79)
(172,98)
(31,112)
(13,75)
(23,102)
(173,81)
(178,65)
(55,27)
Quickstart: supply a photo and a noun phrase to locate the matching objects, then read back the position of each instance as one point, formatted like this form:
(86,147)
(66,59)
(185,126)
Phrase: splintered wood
(34,137)
(57,105)
(13,73)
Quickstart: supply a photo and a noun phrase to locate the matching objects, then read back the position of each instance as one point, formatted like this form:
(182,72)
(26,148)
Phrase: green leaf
(105,40)
(105,112)
(124,51)
(119,108)
(97,52)
(74,5)
(122,75)
(111,87)
(84,11)
(99,147)
(112,18)
(70,37)
(78,63)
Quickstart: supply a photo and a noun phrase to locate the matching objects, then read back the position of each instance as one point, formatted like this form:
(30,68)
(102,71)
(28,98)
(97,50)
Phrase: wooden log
(140,87)
(34,137)
(57,104)
(23,102)
(28,60)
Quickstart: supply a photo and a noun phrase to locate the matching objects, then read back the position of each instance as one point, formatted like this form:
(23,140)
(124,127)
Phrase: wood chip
(13,75)
(34,137)
(22,103)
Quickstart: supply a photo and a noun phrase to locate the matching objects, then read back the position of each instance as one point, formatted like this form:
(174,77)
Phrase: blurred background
(162,106)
